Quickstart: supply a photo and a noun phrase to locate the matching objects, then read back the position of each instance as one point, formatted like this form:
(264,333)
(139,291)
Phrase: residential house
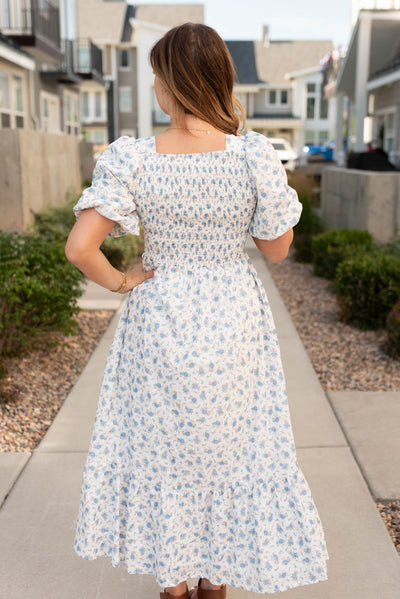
(60,64)
(126,33)
(358,5)
(280,85)
(370,78)
(16,84)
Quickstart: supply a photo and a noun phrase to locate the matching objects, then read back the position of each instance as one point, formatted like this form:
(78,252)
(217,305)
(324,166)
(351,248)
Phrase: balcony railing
(83,56)
(39,21)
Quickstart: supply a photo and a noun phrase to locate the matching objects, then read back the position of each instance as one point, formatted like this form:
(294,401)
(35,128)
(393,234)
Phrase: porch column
(362,73)
(339,126)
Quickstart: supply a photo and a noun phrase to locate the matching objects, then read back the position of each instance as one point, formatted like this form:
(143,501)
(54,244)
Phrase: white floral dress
(192,467)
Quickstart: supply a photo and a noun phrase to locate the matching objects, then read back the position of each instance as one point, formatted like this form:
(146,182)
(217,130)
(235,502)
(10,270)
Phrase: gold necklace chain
(191,129)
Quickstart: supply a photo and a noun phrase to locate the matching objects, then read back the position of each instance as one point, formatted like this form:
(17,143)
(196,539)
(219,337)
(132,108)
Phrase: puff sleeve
(278,208)
(111,190)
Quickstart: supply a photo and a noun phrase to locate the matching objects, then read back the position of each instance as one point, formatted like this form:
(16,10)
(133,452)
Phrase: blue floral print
(192,468)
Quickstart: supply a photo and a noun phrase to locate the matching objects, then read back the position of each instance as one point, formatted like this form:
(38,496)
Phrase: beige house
(280,85)
(58,65)
(125,34)
(16,85)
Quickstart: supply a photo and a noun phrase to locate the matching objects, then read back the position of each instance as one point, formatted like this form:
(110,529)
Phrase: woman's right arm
(277,249)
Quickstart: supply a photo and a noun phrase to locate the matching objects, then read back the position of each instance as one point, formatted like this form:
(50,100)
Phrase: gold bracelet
(122,286)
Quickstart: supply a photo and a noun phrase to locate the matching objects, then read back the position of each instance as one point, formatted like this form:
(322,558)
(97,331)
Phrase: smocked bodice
(195,209)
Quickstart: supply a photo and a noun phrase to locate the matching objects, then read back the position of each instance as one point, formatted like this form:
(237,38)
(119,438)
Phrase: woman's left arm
(83,250)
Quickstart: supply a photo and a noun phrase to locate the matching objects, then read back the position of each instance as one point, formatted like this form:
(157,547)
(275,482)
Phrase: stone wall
(356,199)
(37,170)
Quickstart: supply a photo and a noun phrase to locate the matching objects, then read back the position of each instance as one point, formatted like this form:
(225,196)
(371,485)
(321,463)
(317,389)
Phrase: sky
(291,19)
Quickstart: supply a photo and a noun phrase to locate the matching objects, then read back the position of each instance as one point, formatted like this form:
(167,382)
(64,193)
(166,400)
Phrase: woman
(192,470)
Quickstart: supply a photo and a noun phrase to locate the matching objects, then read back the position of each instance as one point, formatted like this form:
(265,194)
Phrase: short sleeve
(278,208)
(111,190)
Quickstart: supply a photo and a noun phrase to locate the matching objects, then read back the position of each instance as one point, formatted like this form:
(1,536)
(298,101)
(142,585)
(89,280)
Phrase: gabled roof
(257,63)
(243,55)
(101,20)
(170,15)
(282,57)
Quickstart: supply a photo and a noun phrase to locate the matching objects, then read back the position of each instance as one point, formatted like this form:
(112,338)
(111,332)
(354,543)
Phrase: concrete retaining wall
(37,170)
(357,199)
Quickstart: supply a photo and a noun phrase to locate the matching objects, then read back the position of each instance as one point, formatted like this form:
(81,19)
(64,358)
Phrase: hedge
(310,224)
(55,223)
(331,248)
(368,286)
(39,289)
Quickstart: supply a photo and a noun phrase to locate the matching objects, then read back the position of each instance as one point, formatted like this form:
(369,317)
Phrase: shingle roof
(283,57)
(101,20)
(127,28)
(257,63)
(392,65)
(243,56)
(170,15)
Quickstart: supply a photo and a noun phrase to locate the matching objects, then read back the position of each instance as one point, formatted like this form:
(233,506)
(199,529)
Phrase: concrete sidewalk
(37,519)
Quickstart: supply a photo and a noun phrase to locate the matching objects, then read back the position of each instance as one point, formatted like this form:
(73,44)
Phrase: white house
(280,85)
(370,78)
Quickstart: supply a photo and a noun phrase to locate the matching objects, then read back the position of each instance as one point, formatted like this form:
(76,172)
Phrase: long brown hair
(194,64)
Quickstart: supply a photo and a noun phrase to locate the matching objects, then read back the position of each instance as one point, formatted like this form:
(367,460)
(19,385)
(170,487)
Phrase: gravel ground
(37,384)
(344,358)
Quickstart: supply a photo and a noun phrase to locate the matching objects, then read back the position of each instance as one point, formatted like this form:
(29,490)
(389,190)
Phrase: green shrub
(39,289)
(55,223)
(310,224)
(332,247)
(390,247)
(368,286)
(393,331)
(121,251)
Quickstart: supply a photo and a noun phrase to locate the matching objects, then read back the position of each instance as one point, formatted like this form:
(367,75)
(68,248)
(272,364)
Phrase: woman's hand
(135,276)
(83,250)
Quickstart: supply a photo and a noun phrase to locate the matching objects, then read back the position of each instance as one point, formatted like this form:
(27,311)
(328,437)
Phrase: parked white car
(285,151)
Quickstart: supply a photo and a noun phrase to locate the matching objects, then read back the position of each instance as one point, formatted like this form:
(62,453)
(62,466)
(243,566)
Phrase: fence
(37,170)
(359,199)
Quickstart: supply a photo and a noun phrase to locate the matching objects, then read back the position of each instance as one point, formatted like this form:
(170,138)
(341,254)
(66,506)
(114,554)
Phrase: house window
(99,136)
(323,137)
(284,96)
(4,101)
(124,58)
(309,137)
(311,100)
(11,101)
(272,96)
(125,99)
(71,125)
(6,14)
(242,97)
(50,112)
(84,57)
(85,106)
(97,105)
(386,130)
(323,105)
